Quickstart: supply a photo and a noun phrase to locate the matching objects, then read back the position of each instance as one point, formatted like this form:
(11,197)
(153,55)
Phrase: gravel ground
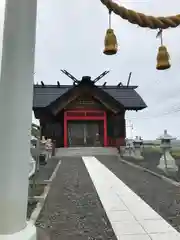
(151,161)
(159,194)
(72,209)
(30,209)
(42,234)
(47,170)
(44,173)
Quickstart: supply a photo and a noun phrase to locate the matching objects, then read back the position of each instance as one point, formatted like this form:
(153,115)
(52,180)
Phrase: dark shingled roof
(127,96)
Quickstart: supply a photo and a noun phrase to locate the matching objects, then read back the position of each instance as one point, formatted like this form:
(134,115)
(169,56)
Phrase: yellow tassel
(110,43)
(163,59)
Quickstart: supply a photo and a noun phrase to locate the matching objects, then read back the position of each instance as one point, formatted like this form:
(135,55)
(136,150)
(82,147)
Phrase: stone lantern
(137,148)
(167,162)
(48,147)
(129,149)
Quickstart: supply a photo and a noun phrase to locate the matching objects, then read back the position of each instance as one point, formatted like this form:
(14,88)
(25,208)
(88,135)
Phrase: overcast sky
(70,35)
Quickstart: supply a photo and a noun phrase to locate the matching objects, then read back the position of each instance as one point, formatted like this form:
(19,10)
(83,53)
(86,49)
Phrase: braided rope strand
(141,19)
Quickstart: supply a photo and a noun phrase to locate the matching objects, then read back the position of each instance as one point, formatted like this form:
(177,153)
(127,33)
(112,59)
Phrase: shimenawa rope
(141,19)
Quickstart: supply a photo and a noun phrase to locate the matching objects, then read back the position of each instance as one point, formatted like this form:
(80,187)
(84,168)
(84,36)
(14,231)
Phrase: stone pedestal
(167,163)
(28,233)
(16,92)
(129,149)
(137,148)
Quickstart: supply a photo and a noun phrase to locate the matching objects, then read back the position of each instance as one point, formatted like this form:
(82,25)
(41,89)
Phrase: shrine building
(85,114)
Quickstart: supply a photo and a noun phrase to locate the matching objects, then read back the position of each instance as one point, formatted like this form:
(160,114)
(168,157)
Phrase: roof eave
(135,108)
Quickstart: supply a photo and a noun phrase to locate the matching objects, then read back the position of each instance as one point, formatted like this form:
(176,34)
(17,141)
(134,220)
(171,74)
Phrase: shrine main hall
(84,113)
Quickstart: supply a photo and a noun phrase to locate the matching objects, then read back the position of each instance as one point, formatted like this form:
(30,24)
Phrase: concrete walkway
(130,217)
(86,151)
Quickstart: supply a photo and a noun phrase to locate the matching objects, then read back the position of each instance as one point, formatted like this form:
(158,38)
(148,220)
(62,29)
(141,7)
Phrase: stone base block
(138,157)
(168,163)
(128,153)
(137,154)
(28,233)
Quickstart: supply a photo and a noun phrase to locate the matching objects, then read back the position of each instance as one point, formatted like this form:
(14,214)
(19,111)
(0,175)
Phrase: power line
(159,115)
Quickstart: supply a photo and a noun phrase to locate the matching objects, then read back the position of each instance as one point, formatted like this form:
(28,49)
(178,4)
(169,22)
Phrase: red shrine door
(85,128)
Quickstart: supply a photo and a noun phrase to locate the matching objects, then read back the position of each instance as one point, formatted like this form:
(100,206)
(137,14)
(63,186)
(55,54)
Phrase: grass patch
(156,149)
(176,153)
(30,208)
(34,190)
(37,189)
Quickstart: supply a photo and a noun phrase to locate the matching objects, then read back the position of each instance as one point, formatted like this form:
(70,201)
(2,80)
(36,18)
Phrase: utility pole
(130,125)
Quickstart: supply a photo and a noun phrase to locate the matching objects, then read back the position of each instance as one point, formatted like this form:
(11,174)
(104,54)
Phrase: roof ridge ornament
(76,81)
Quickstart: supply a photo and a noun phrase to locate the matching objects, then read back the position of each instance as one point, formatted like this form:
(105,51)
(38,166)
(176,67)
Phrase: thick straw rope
(141,19)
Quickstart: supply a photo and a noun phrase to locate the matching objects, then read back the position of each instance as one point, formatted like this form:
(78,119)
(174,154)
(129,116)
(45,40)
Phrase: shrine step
(85,151)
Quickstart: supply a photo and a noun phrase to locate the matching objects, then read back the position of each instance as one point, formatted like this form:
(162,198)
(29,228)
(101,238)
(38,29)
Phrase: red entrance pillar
(65,130)
(105,131)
